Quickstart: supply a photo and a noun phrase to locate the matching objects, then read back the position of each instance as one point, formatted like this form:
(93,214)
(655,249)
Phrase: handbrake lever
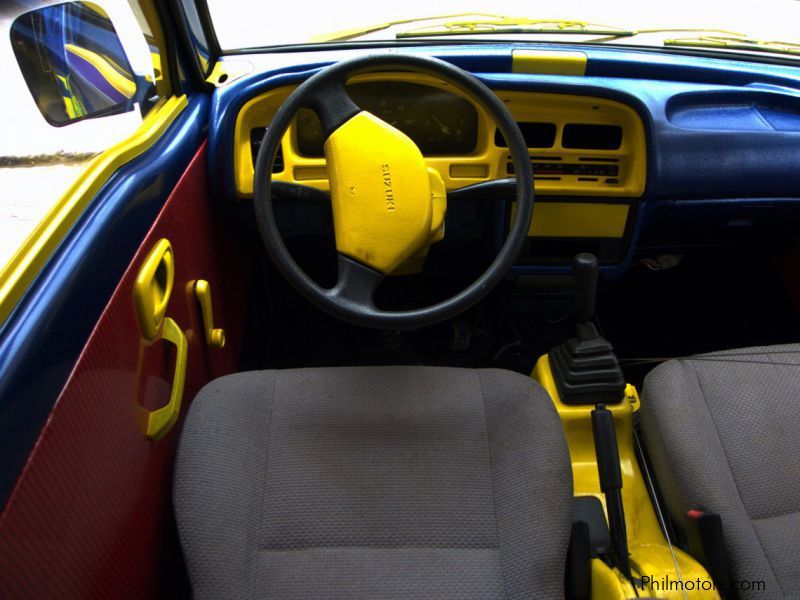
(608,469)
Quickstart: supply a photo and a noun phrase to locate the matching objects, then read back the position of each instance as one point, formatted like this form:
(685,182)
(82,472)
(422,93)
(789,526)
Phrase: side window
(79,77)
(198,36)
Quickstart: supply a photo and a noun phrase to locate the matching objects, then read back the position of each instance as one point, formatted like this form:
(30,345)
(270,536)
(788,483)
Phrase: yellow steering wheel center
(388,206)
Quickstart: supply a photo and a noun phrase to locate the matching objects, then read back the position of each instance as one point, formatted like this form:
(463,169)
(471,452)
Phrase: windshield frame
(766,58)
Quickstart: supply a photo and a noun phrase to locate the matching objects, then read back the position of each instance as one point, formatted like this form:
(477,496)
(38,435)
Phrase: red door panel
(91,514)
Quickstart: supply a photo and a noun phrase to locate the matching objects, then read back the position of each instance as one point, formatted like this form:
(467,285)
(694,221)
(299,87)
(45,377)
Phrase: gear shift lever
(586,273)
(584,268)
(585,368)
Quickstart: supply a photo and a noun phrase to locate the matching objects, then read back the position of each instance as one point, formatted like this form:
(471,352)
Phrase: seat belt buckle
(706,528)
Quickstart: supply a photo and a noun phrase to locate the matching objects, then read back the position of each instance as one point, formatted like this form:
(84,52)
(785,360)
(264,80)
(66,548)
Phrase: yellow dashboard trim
(578,219)
(34,252)
(487,161)
(549,62)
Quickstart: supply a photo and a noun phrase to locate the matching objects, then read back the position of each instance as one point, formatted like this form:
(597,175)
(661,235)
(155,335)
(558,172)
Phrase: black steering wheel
(387,205)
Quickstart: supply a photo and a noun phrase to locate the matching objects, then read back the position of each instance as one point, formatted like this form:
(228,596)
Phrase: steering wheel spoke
(355,284)
(296,192)
(334,107)
(497,189)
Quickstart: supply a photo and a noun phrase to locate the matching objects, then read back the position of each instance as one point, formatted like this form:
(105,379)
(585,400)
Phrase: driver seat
(374,482)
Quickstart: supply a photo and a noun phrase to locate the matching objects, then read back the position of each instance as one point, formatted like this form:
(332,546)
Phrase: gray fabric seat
(723,434)
(376,482)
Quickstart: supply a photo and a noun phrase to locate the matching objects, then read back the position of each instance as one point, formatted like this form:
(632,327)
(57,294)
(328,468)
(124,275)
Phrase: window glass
(39,160)
(149,24)
(198,36)
(248,24)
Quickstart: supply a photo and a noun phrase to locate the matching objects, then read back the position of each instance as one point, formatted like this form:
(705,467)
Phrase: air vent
(592,137)
(553,168)
(256,137)
(537,135)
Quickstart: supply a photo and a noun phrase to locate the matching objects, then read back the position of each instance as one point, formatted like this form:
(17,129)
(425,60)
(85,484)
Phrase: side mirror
(73,62)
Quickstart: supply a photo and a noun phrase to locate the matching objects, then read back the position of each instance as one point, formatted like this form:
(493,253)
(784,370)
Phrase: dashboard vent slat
(553,168)
(598,159)
(256,137)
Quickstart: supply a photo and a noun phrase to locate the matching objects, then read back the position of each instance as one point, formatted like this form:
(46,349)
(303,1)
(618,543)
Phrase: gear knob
(585,271)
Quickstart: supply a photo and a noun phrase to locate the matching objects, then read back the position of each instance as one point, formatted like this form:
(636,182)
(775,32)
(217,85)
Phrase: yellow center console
(664,575)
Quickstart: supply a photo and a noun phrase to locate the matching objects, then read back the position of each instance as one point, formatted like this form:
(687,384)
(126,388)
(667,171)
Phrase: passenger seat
(722,431)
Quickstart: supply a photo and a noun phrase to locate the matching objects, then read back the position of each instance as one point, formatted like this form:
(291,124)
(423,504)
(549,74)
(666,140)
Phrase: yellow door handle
(158,422)
(153,287)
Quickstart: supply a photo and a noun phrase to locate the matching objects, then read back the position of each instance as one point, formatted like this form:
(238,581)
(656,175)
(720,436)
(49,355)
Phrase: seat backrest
(722,433)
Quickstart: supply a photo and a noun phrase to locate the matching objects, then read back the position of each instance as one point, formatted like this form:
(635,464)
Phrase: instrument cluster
(440,122)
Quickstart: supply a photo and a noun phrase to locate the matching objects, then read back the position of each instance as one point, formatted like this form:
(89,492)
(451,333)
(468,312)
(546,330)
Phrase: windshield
(767,25)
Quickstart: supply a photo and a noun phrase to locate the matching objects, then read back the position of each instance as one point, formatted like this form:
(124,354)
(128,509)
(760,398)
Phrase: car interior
(436,318)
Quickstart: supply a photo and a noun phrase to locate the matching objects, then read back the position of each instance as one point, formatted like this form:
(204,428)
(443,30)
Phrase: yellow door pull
(153,287)
(151,294)
(158,422)
(215,337)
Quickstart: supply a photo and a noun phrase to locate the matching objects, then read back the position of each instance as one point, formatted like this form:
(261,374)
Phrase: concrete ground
(27,193)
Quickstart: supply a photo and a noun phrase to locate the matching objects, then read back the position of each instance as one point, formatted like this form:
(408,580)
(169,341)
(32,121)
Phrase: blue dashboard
(722,134)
